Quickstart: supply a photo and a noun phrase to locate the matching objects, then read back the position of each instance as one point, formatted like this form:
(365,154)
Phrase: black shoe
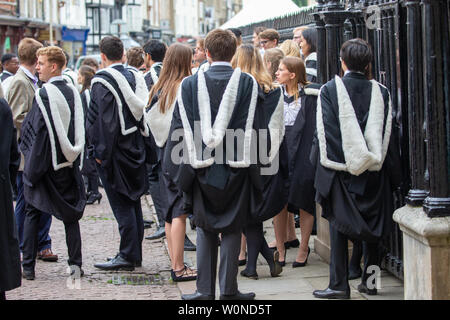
(352,275)
(292,244)
(301,264)
(185,276)
(196,296)
(118,263)
(239,296)
(188,245)
(277,267)
(282,263)
(93,197)
(28,274)
(148,224)
(251,275)
(363,289)
(242,262)
(159,233)
(331,294)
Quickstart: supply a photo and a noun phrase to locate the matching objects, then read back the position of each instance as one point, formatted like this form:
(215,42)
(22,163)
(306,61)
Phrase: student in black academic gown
(270,113)
(89,168)
(308,44)
(220,184)
(299,114)
(115,133)
(155,52)
(9,242)
(357,167)
(177,66)
(52,142)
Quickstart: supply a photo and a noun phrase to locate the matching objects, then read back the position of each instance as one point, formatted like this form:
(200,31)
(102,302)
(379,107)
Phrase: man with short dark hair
(10,64)
(155,52)
(114,128)
(269,39)
(52,142)
(20,98)
(220,190)
(68,74)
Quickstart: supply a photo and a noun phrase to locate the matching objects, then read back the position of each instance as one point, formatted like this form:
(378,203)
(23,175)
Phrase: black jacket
(10,271)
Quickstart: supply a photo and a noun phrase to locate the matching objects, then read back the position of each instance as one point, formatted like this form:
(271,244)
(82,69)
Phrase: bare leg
(306,223)
(291,228)
(243,248)
(177,236)
(279,224)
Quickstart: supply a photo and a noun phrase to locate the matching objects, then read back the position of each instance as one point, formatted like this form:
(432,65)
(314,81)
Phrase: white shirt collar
(29,74)
(55,78)
(221,63)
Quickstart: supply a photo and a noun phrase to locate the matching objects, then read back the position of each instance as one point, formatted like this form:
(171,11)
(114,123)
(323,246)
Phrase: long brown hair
(297,66)
(274,56)
(87,73)
(248,58)
(176,66)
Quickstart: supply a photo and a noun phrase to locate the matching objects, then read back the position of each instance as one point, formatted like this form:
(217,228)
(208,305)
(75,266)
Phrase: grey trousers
(207,251)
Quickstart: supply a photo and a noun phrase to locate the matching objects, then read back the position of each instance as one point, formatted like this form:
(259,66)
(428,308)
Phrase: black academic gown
(148,77)
(301,192)
(221,195)
(10,271)
(60,193)
(122,156)
(89,168)
(275,187)
(172,202)
(360,207)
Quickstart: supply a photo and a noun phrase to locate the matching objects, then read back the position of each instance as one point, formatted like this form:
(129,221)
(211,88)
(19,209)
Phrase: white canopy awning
(260,10)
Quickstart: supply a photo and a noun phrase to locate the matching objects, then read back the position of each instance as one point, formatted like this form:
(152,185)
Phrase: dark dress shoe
(352,274)
(118,263)
(148,224)
(93,197)
(188,245)
(161,232)
(239,296)
(248,274)
(242,262)
(363,289)
(331,294)
(277,267)
(301,264)
(196,296)
(28,274)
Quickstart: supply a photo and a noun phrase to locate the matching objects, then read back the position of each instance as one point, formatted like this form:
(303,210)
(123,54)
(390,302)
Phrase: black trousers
(207,254)
(128,214)
(256,244)
(339,260)
(153,179)
(30,239)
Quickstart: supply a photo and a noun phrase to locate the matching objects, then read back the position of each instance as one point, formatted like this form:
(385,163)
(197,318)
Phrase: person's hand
(98,161)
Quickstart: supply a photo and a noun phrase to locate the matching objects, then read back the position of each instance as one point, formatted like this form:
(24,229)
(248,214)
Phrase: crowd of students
(121,124)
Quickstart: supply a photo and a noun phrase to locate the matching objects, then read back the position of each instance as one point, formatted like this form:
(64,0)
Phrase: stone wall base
(426,254)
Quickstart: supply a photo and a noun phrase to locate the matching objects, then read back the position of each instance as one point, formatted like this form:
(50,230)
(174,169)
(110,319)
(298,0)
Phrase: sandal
(187,274)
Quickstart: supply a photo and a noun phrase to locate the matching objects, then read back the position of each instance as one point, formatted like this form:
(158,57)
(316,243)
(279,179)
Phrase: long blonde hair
(176,66)
(248,58)
(290,49)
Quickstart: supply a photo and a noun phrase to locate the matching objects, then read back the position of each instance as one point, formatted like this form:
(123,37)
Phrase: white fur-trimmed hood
(60,115)
(362,151)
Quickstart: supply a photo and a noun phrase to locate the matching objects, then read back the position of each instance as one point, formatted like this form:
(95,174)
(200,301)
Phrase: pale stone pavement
(100,238)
